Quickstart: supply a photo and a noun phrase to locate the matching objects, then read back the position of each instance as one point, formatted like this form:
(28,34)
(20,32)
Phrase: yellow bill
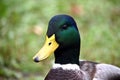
(49,47)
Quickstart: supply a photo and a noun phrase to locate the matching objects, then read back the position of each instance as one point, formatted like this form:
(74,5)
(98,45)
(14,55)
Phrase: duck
(63,40)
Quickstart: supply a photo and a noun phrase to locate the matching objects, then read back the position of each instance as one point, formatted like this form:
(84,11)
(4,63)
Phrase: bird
(63,40)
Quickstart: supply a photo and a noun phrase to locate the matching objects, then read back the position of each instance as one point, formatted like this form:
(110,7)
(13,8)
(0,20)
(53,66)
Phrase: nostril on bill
(36,59)
(49,43)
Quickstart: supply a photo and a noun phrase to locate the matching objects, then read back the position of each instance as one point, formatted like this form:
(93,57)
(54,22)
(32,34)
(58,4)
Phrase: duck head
(62,39)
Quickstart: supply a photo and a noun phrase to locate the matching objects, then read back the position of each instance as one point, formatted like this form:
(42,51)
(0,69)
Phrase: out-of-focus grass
(23,25)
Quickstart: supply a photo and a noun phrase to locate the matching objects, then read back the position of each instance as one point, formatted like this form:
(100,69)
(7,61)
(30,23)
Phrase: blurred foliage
(23,25)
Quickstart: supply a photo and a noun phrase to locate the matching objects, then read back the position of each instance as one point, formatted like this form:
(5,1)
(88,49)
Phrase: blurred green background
(23,25)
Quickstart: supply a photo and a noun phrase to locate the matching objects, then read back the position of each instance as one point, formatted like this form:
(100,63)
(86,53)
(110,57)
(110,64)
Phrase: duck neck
(67,56)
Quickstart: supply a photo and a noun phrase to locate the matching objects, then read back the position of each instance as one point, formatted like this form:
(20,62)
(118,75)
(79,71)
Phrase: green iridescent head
(65,29)
(66,36)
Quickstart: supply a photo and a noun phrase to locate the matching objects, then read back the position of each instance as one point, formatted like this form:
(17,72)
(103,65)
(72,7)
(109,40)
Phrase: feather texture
(87,71)
(107,72)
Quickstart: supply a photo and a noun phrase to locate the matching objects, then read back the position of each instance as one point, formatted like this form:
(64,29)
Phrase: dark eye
(65,26)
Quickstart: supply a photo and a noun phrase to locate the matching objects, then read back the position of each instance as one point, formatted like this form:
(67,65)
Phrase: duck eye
(64,26)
